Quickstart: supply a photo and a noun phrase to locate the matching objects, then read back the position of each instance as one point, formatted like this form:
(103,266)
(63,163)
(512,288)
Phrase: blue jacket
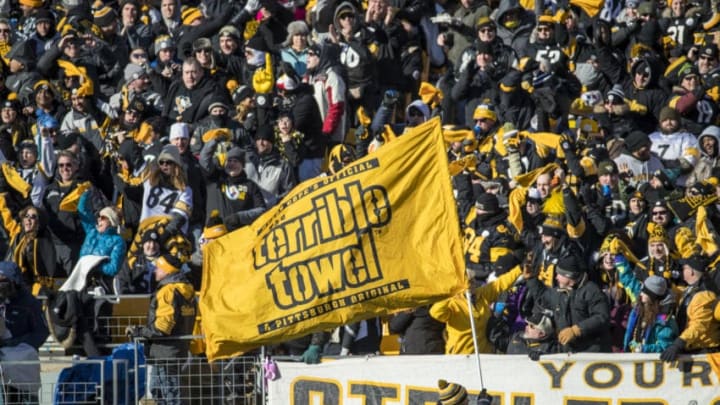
(663,331)
(108,243)
(23,312)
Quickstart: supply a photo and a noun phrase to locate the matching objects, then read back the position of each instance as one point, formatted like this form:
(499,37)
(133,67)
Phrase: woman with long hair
(651,326)
(31,247)
(166,191)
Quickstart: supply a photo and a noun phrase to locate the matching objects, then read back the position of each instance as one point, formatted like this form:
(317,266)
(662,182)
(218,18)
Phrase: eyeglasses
(346,16)
(139,55)
(544,29)
(64,165)
(165,162)
(204,50)
(4,30)
(658,213)
(30,216)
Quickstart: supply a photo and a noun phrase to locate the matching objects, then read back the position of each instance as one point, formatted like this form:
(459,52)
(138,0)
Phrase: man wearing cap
(171,314)
(137,86)
(580,309)
(699,330)
(136,274)
(487,237)
(537,339)
(545,49)
(643,88)
(219,117)
(503,55)
(45,101)
(637,163)
(709,142)
(477,82)
(697,109)
(677,148)
(267,168)
(229,57)
(707,59)
(165,65)
(237,199)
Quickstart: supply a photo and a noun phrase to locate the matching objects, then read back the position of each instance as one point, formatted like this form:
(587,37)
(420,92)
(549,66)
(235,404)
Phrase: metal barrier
(48,389)
(193,380)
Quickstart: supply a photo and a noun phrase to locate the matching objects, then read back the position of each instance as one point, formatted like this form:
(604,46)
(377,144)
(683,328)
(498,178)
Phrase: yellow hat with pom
(168,264)
(214,226)
(450,393)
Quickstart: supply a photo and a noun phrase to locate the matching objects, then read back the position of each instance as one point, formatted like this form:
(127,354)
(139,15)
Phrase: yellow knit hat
(190,14)
(168,264)
(451,393)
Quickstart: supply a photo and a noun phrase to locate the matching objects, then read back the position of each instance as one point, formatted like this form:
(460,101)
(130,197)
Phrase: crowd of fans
(581,136)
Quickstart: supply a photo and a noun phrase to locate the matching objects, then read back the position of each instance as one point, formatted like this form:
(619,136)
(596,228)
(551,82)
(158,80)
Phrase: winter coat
(699,329)
(172,313)
(421,334)
(137,276)
(584,306)
(238,195)
(454,313)
(108,243)
(271,173)
(66,229)
(23,314)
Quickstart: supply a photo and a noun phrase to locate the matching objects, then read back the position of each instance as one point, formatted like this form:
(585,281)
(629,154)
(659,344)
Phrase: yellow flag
(380,235)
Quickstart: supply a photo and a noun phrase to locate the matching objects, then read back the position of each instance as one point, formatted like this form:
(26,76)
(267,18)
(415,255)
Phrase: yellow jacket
(454,313)
(702,330)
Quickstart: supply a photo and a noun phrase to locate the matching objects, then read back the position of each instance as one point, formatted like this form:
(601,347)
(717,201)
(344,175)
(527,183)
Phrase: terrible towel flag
(380,235)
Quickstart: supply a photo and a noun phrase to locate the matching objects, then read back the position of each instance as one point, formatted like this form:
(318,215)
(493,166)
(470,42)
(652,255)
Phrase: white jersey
(676,146)
(159,200)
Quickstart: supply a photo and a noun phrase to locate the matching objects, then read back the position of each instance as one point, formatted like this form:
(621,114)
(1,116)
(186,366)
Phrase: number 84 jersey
(160,200)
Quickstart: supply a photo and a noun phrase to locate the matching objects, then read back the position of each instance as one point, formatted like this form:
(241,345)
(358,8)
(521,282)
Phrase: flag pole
(474,336)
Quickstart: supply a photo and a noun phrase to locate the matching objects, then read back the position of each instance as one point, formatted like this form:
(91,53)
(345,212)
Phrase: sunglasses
(643,74)
(165,162)
(705,57)
(347,16)
(30,216)
(4,31)
(415,114)
(656,213)
(203,50)
(63,165)
(139,55)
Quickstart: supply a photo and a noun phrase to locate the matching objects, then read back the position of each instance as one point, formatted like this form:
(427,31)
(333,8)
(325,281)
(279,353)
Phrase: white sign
(579,379)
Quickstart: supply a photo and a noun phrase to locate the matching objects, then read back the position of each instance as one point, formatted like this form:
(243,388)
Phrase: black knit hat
(265,132)
(487,202)
(636,140)
(257,43)
(570,267)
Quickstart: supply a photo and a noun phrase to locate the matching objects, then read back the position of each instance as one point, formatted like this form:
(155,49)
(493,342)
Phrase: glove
(569,334)
(534,355)
(670,354)
(252,6)
(390,98)
(483,398)
(312,355)
(635,347)
(232,221)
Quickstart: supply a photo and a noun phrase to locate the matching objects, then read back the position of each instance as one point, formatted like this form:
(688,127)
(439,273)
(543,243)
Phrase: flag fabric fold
(378,236)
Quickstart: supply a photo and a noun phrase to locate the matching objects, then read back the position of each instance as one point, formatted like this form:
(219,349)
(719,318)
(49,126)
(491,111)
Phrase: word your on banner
(582,379)
(378,236)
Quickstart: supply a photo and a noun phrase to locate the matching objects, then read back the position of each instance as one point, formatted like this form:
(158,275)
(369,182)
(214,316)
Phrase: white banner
(580,379)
